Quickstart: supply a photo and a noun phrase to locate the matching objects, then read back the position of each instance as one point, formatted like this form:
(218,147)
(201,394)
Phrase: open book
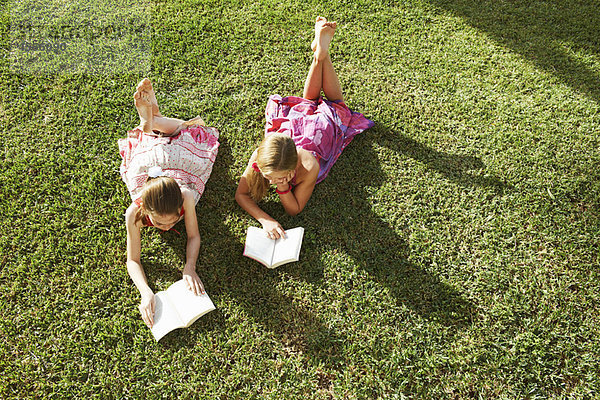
(178,307)
(273,252)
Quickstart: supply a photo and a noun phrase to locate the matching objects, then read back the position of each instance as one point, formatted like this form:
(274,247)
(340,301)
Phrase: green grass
(451,253)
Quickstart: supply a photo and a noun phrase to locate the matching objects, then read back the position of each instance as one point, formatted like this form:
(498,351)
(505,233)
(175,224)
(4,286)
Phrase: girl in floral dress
(166,163)
(304,136)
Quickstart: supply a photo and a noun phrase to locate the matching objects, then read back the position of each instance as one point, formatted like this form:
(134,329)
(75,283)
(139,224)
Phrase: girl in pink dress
(166,163)
(304,136)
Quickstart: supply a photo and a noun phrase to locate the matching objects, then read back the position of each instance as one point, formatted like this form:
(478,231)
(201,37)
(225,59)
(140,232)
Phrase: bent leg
(144,109)
(314,80)
(146,86)
(168,126)
(172,126)
(321,74)
(331,83)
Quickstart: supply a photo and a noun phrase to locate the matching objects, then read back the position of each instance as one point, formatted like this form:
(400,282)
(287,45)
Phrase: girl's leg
(331,83)
(172,126)
(321,74)
(314,80)
(144,108)
(146,86)
(166,125)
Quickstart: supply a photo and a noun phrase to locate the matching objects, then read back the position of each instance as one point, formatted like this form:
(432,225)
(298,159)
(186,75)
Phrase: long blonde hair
(160,196)
(276,153)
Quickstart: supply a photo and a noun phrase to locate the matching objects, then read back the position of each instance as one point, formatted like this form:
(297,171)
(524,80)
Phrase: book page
(189,306)
(258,246)
(288,249)
(165,317)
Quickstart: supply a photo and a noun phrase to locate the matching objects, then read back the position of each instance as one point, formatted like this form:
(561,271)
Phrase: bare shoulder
(188,197)
(131,214)
(250,161)
(309,163)
(186,194)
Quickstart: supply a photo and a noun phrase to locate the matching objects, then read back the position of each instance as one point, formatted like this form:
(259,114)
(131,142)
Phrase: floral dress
(187,157)
(320,126)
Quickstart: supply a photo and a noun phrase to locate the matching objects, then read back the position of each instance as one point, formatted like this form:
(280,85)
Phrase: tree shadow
(546,33)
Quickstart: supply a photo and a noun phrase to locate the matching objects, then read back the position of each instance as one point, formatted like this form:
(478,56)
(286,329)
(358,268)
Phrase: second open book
(178,307)
(273,252)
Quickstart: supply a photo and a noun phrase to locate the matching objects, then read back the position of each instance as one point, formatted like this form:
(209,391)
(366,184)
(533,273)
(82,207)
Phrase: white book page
(288,249)
(259,246)
(189,306)
(165,317)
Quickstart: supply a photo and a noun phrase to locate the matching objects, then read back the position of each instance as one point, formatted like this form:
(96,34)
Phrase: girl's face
(164,222)
(279,177)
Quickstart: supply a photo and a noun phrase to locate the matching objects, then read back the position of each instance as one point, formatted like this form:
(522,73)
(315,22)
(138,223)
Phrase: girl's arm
(294,201)
(134,266)
(242,196)
(190,276)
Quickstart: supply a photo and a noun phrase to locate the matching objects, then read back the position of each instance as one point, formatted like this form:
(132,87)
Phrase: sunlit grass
(451,253)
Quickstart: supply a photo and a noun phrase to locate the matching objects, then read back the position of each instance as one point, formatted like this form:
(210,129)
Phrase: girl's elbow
(239,198)
(194,238)
(132,266)
(293,213)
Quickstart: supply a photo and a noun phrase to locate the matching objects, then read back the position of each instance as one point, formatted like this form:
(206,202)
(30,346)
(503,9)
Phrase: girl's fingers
(281,232)
(147,317)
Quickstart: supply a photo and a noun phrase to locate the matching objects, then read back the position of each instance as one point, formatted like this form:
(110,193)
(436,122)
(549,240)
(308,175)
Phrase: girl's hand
(192,281)
(284,187)
(273,229)
(290,176)
(147,309)
(283,180)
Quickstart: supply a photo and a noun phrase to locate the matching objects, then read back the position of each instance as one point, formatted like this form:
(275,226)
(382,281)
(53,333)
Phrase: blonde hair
(276,153)
(160,196)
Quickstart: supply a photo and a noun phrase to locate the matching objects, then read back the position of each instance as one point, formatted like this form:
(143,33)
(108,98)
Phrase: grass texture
(452,252)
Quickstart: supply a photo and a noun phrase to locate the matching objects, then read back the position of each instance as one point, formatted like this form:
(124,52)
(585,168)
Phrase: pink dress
(320,126)
(187,157)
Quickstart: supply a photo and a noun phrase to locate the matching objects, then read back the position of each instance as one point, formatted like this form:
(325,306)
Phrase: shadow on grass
(341,214)
(547,33)
(226,272)
(461,169)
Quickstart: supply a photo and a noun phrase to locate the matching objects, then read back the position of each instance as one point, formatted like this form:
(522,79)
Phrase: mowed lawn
(451,253)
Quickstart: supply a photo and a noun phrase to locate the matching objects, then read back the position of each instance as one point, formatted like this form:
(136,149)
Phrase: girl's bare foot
(194,122)
(144,109)
(318,24)
(146,86)
(323,37)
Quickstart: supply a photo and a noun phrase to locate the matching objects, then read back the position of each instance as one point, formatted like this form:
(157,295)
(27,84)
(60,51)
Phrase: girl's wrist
(189,268)
(283,189)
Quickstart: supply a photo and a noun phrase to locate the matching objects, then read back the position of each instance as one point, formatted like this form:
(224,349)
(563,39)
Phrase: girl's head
(161,201)
(276,157)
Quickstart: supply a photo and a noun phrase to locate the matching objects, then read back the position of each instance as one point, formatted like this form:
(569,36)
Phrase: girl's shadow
(341,215)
